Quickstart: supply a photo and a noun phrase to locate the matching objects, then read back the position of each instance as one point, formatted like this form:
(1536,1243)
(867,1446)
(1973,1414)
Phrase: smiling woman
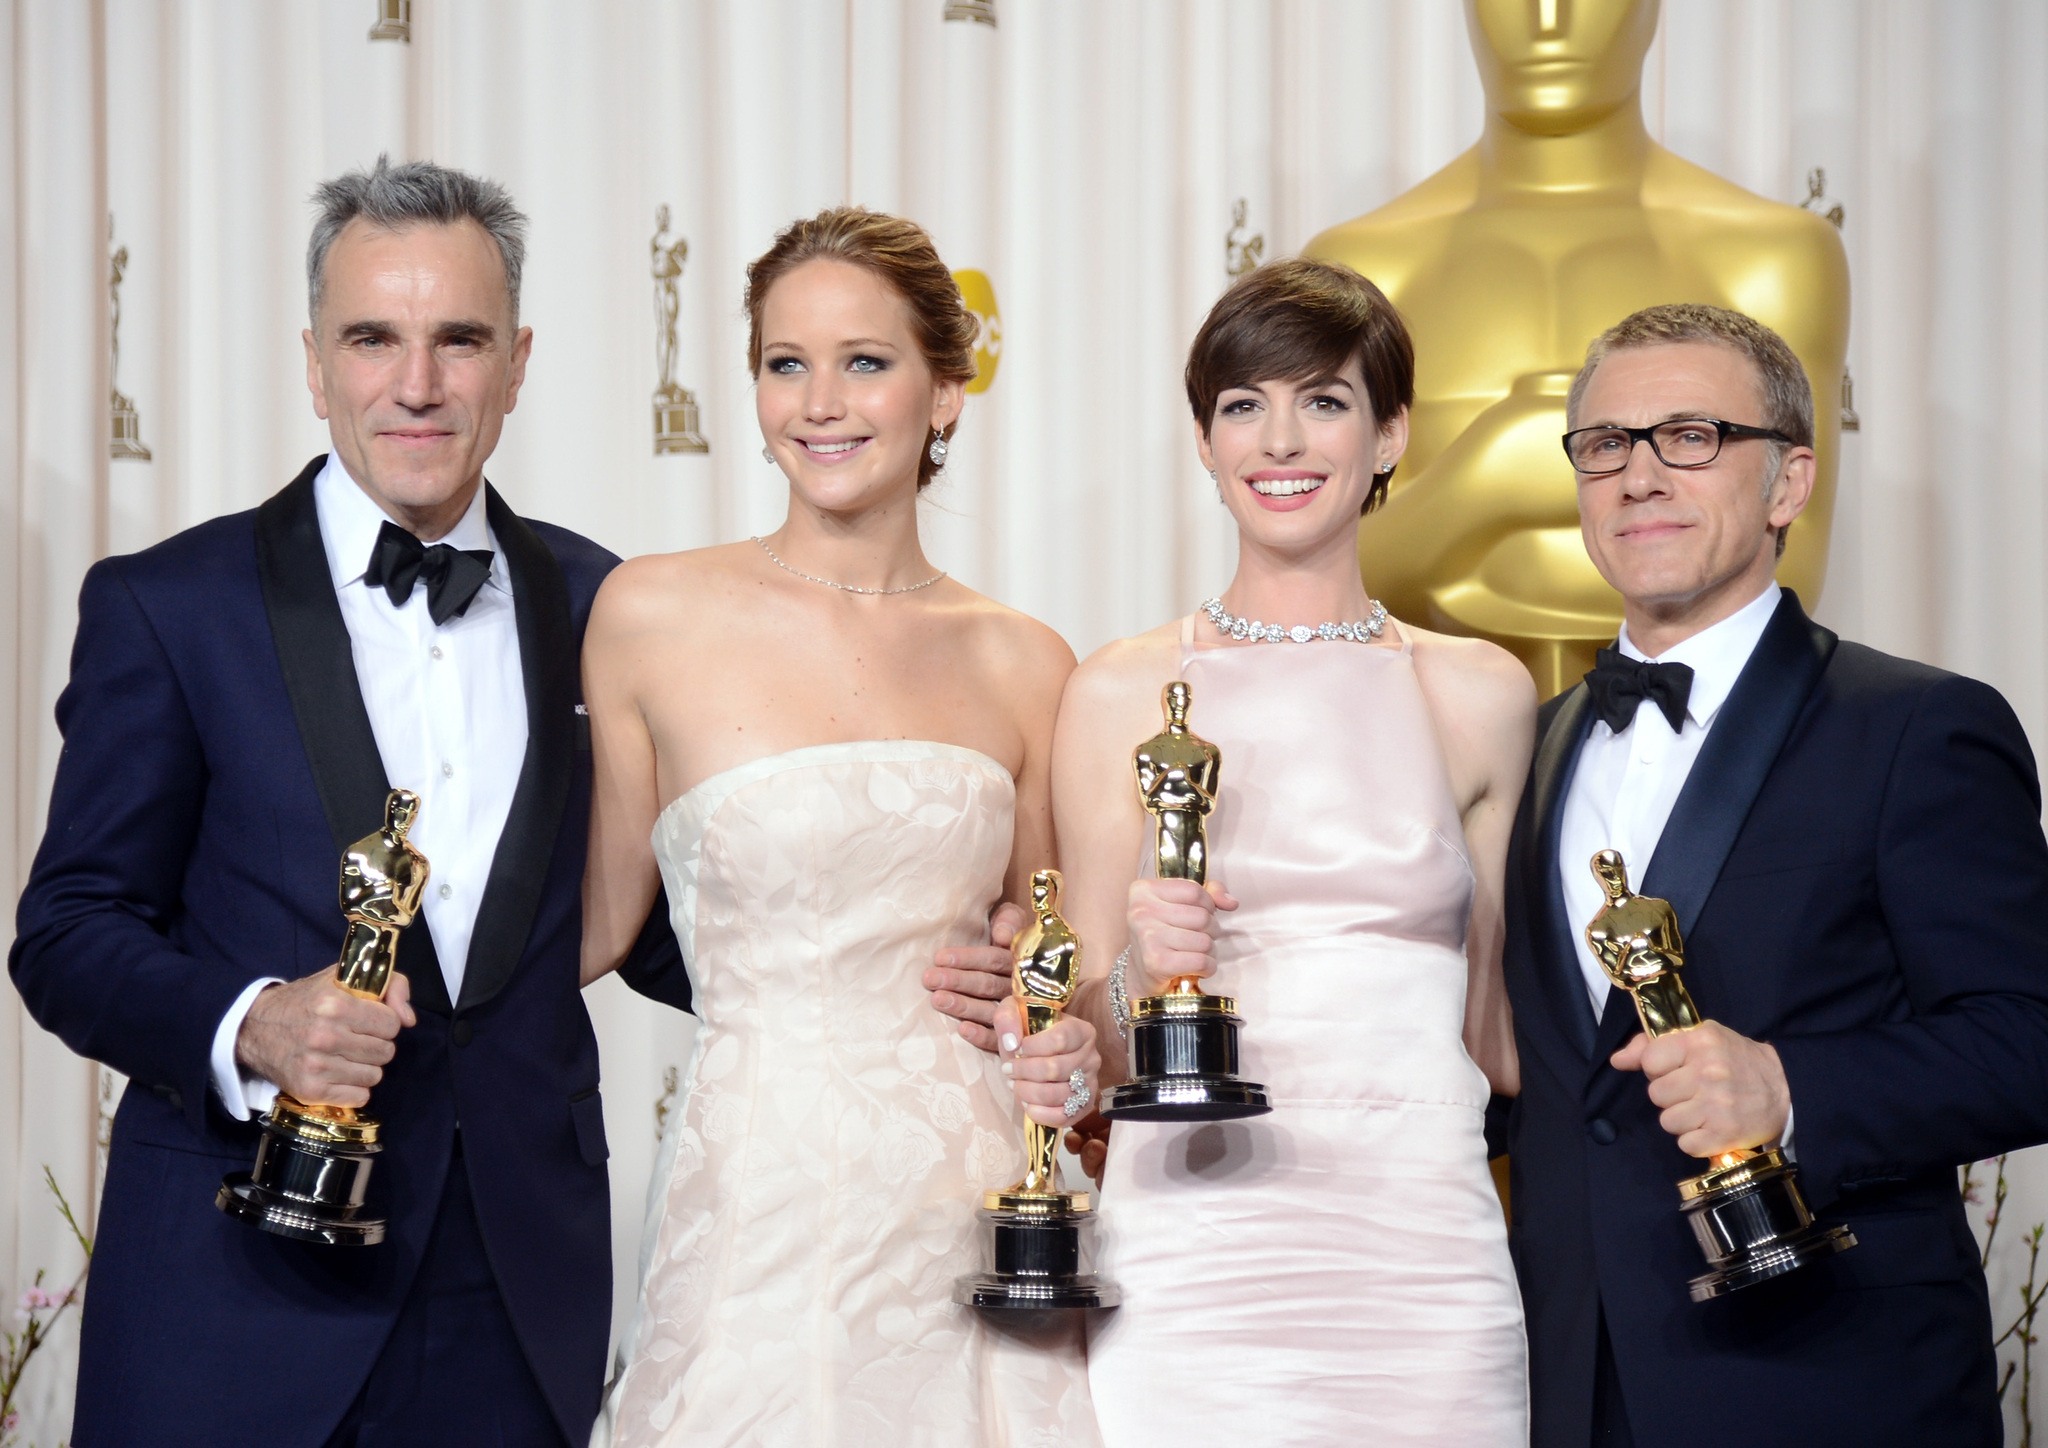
(1354,911)
(837,757)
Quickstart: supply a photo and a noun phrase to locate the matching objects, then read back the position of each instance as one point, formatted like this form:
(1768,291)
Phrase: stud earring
(767,452)
(937,451)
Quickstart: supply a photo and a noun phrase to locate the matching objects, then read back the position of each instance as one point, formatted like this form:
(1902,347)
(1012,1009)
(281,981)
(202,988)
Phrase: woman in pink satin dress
(1336,1271)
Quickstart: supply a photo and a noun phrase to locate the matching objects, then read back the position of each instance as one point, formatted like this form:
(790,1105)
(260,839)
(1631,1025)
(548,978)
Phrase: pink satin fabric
(1337,1271)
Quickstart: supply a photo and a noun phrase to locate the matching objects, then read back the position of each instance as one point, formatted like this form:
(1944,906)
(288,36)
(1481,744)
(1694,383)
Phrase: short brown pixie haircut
(1301,320)
(901,254)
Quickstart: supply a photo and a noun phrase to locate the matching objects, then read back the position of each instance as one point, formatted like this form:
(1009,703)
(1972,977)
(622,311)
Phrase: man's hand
(968,982)
(1718,1091)
(1089,1140)
(320,1044)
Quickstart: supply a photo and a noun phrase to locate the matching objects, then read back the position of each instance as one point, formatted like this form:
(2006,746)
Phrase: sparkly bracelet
(1119,999)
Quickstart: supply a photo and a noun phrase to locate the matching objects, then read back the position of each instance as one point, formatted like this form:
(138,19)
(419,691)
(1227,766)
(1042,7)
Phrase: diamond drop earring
(767,452)
(937,451)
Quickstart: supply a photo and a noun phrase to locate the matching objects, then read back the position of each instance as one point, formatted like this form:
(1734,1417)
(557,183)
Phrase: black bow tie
(1619,683)
(453,574)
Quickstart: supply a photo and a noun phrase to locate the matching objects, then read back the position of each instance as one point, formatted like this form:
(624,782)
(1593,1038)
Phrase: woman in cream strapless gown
(1336,1271)
(763,719)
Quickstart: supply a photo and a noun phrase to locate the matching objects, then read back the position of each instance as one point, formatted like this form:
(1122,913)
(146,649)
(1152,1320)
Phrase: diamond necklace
(1272,633)
(843,587)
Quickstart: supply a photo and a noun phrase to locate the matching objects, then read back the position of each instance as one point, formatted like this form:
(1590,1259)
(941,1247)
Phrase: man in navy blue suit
(242,697)
(1852,846)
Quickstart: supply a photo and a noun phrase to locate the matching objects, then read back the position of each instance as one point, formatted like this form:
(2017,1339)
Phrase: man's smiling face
(414,361)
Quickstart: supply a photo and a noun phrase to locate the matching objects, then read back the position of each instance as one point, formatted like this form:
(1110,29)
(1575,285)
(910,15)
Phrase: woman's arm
(620,877)
(1484,707)
(1111,706)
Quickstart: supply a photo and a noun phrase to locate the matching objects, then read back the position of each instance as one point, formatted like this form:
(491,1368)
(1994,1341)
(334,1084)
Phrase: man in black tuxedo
(242,697)
(1852,845)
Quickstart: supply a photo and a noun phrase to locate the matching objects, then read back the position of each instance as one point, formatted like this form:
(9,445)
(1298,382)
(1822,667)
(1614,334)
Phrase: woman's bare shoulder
(662,579)
(1477,669)
(1128,669)
(1017,643)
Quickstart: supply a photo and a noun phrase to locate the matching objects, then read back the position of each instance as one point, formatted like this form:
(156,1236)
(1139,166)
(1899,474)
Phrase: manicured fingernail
(1007,1069)
(1009,1042)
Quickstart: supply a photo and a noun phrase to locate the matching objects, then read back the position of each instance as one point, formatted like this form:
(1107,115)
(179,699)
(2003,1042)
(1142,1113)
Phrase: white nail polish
(1009,1042)
(1007,1069)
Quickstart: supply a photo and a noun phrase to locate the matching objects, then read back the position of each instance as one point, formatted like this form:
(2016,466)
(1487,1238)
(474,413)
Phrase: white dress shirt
(447,704)
(1623,790)
(1626,783)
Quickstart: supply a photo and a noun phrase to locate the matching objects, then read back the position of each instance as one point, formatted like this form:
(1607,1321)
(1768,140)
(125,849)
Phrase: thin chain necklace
(1364,631)
(843,587)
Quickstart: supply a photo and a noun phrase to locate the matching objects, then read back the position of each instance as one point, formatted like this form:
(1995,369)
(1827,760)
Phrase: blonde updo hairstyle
(901,254)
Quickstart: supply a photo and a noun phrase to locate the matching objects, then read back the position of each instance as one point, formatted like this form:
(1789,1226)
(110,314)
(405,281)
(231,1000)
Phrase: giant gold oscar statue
(1565,218)
(313,1162)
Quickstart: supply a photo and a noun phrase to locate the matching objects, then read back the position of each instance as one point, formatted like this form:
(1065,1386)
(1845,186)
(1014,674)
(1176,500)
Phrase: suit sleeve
(654,967)
(93,954)
(1962,886)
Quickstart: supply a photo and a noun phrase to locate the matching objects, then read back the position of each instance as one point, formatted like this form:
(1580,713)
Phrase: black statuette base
(306,1190)
(1184,1068)
(1755,1231)
(1036,1263)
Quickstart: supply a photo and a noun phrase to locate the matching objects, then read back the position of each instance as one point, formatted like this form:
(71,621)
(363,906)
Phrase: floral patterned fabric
(838,1132)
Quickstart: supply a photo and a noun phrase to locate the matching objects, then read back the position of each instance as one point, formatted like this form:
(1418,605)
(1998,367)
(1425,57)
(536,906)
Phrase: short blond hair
(1788,396)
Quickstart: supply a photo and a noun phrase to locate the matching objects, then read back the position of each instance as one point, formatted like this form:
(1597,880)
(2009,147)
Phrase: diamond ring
(1078,1094)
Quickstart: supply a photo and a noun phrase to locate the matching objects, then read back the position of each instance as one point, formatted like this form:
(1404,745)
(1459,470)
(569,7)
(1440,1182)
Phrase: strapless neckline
(877,751)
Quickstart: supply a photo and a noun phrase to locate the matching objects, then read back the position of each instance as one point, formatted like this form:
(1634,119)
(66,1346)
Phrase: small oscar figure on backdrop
(1183,1041)
(313,1165)
(676,429)
(1036,1245)
(1746,1210)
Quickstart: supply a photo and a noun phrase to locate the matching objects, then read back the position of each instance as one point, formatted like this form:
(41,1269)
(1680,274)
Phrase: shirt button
(447,891)
(447,770)
(435,651)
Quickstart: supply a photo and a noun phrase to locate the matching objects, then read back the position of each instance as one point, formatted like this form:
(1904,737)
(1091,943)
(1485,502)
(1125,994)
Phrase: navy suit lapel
(318,663)
(1747,736)
(1551,937)
(548,665)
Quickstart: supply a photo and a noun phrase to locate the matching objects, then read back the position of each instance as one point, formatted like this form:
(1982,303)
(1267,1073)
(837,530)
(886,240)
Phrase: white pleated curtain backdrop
(1085,156)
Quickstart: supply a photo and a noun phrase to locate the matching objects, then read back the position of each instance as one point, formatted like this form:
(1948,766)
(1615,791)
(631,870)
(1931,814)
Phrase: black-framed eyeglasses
(1687,442)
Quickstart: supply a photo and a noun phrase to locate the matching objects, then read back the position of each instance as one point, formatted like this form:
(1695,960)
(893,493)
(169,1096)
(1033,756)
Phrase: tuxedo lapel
(1746,738)
(318,663)
(1551,938)
(548,666)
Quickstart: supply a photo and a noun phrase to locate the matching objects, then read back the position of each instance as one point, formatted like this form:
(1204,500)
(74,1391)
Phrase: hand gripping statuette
(1746,1210)
(313,1164)
(1183,1042)
(1036,1240)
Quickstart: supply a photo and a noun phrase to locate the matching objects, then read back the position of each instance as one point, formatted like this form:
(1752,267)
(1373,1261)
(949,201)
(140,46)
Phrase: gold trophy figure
(313,1165)
(1036,1246)
(1183,1042)
(1746,1209)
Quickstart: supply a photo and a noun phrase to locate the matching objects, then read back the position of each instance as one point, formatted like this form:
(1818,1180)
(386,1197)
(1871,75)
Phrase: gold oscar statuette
(1036,1242)
(1183,1041)
(313,1164)
(1746,1210)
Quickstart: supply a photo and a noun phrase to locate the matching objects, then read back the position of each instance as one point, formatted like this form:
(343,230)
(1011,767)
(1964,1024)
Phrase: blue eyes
(863,364)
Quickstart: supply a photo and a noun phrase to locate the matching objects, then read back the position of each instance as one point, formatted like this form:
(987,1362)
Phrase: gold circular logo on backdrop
(980,296)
